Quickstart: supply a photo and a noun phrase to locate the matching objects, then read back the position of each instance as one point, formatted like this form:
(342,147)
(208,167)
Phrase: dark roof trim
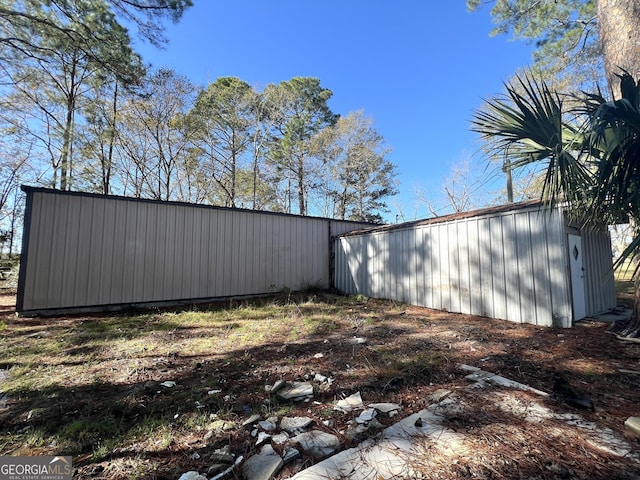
(30,189)
(451,218)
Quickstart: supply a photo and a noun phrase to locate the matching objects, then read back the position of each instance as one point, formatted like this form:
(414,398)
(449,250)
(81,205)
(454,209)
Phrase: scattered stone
(481,378)
(263,437)
(366,416)
(295,424)
(319,378)
(263,466)
(192,475)
(290,454)
(168,384)
(318,355)
(296,391)
(353,402)
(227,473)
(267,426)
(328,423)
(277,386)
(392,454)
(280,438)
(318,444)
(390,409)
(357,340)
(251,420)
(214,392)
(633,424)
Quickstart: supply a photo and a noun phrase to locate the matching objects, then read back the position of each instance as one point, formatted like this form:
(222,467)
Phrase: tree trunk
(300,174)
(108,162)
(618,27)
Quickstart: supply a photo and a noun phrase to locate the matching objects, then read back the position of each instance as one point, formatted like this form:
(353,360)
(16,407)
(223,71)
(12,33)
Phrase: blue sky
(418,68)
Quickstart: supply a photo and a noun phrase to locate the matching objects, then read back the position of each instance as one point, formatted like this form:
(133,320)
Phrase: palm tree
(588,146)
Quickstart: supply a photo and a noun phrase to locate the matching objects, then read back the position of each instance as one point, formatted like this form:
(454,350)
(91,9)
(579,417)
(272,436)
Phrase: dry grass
(80,385)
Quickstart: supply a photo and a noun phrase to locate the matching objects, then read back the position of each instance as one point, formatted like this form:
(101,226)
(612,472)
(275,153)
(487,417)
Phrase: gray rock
(280,438)
(296,391)
(318,444)
(277,386)
(357,340)
(229,471)
(366,416)
(295,424)
(251,420)
(352,402)
(290,454)
(267,426)
(386,408)
(263,438)
(263,466)
(633,425)
(192,475)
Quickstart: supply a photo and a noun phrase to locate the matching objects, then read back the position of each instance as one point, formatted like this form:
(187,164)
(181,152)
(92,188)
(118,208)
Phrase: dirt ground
(407,354)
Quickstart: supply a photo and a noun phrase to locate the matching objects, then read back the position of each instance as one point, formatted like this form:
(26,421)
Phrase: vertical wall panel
(510,265)
(91,251)
(498,292)
(474,277)
(428,261)
(598,265)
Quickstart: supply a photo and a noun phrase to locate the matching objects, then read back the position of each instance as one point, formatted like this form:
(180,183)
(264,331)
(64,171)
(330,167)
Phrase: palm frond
(528,125)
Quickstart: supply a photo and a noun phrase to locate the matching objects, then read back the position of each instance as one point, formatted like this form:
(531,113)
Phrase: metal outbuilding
(520,262)
(88,252)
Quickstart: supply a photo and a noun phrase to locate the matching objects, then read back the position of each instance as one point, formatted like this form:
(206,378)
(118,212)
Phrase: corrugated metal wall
(510,265)
(600,289)
(83,250)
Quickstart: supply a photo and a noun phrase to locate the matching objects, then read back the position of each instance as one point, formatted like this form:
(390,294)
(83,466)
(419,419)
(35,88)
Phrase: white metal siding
(510,265)
(89,250)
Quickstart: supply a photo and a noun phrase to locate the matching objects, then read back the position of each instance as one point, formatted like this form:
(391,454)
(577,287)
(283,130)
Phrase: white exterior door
(577,277)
